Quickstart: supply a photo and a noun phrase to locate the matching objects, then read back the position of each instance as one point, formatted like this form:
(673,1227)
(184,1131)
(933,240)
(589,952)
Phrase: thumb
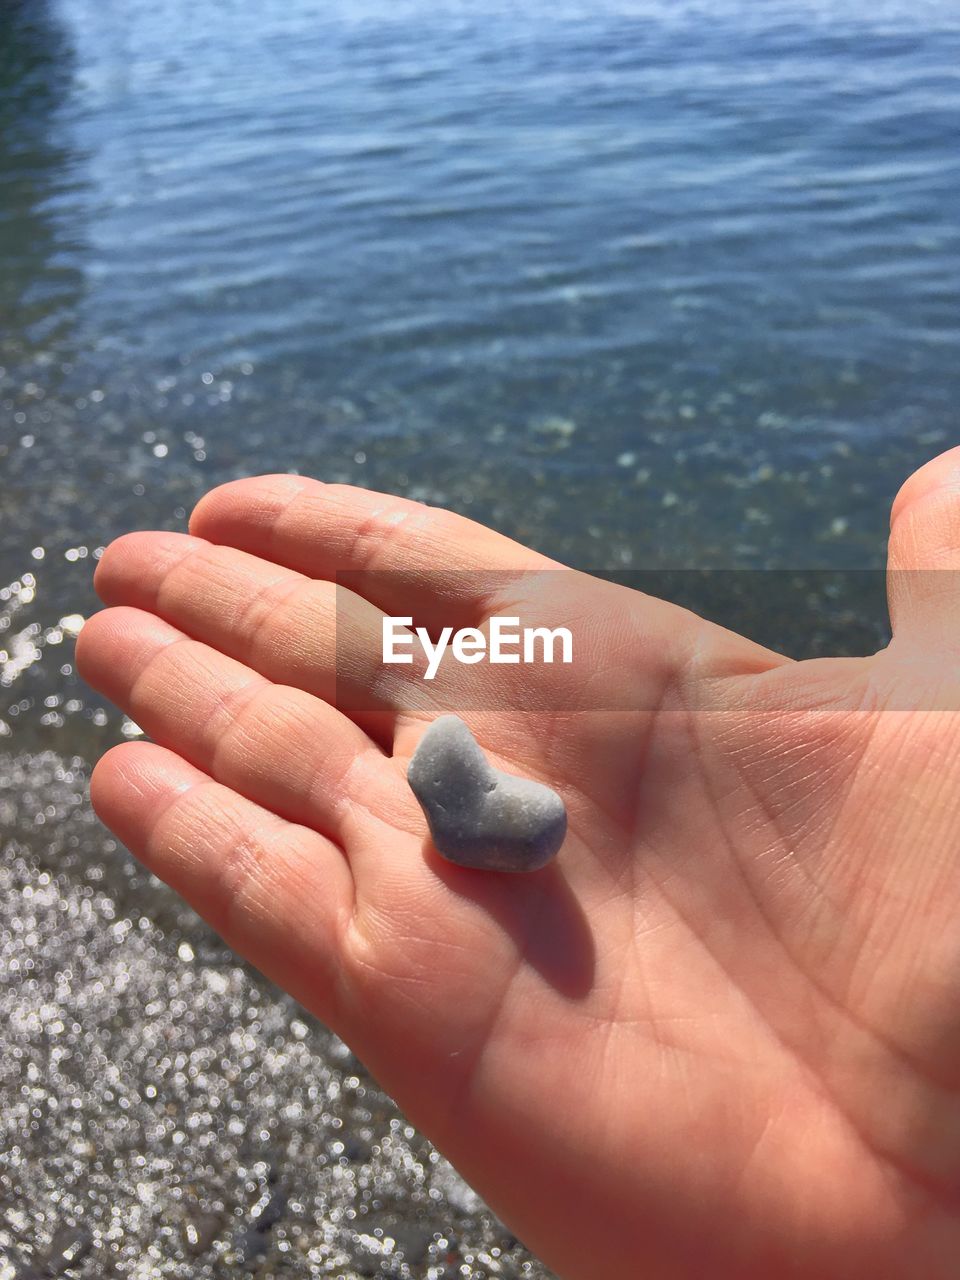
(923,557)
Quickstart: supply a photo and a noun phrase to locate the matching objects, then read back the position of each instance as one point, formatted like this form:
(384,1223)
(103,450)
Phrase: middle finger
(294,630)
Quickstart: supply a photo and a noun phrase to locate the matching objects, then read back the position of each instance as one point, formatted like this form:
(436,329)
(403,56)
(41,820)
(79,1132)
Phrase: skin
(720,1033)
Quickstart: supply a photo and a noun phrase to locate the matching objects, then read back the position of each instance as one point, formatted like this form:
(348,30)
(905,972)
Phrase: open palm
(720,1035)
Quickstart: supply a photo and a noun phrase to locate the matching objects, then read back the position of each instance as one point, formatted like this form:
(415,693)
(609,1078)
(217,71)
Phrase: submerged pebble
(479,816)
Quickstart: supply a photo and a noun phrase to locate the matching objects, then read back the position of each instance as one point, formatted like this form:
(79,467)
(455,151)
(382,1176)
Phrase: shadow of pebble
(539,911)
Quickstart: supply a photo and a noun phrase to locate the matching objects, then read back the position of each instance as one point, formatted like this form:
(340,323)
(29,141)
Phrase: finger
(923,559)
(444,571)
(406,558)
(940,473)
(280,894)
(278,746)
(291,629)
(410,559)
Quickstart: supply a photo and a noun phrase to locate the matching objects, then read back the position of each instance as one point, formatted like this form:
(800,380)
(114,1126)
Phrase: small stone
(269,1209)
(479,816)
(250,1244)
(200,1229)
(356,1149)
(556,426)
(413,1241)
(68,1248)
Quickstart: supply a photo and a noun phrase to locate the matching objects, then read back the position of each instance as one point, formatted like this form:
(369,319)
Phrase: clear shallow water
(645,285)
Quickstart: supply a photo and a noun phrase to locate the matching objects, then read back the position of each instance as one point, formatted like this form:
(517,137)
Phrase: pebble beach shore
(167,1112)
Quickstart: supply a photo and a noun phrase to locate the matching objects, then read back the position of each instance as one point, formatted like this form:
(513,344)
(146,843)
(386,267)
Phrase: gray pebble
(479,816)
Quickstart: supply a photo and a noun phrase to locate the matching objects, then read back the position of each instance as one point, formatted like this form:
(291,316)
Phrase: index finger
(403,556)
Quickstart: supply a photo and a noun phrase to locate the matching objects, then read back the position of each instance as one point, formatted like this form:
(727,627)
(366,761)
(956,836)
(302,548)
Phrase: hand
(720,1035)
